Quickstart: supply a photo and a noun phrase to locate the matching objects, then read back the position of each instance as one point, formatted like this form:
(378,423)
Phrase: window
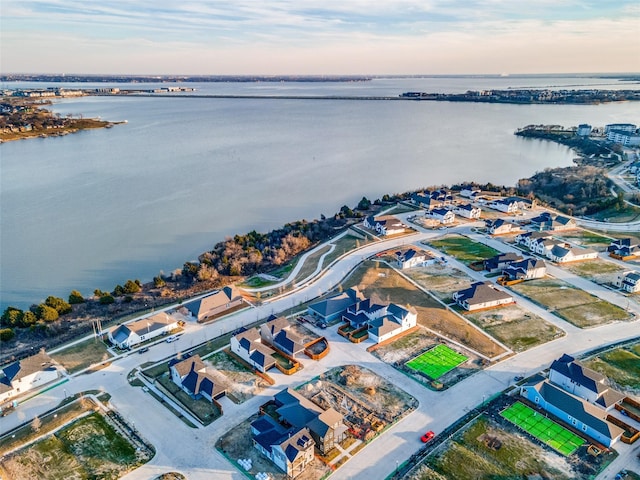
(584,428)
(537,399)
(574,421)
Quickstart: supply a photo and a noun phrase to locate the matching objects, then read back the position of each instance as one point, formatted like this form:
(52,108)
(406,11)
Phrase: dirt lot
(599,271)
(242,383)
(82,355)
(573,305)
(404,349)
(381,280)
(440,279)
(87,448)
(491,447)
(516,327)
(621,366)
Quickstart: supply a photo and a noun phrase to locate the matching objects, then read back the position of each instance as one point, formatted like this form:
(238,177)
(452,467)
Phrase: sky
(316,37)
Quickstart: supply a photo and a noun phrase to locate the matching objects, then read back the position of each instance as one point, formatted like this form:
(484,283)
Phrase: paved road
(192,451)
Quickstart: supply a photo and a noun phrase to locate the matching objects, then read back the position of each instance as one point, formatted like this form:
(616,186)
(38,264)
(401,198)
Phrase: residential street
(192,452)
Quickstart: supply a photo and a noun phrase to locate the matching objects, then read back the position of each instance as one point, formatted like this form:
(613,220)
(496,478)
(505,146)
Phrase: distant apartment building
(583,130)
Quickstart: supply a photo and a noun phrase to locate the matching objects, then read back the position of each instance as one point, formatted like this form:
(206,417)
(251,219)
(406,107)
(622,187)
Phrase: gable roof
(481,292)
(184,366)
(337,303)
(149,324)
(199,308)
(288,341)
(578,373)
(298,411)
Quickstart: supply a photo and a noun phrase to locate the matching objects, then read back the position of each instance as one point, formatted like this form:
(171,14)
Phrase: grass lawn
(544,429)
(626,214)
(599,271)
(571,304)
(463,248)
(82,355)
(87,448)
(622,365)
(343,245)
(311,263)
(437,361)
(470,456)
(202,409)
(585,237)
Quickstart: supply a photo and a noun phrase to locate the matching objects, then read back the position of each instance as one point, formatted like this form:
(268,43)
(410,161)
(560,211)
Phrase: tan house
(215,304)
(481,295)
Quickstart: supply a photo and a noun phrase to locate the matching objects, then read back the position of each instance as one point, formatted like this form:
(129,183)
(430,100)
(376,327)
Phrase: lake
(93,209)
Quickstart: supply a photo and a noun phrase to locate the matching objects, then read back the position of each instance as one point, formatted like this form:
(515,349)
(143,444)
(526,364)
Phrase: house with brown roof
(26,374)
(482,295)
(277,332)
(384,225)
(216,304)
(565,254)
(190,374)
(131,334)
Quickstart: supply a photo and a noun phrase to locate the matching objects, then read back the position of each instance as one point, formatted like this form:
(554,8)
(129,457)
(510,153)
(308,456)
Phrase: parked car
(517,378)
(143,350)
(427,437)
(172,338)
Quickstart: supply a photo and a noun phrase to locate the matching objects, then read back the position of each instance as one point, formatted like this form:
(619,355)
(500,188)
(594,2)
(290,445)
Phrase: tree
(106,299)
(159,282)
(46,313)
(118,291)
(6,334)
(131,286)
(10,317)
(75,297)
(364,204)
(58,304)
(28,319)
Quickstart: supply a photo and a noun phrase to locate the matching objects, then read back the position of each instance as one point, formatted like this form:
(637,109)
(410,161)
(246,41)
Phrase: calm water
(93,209)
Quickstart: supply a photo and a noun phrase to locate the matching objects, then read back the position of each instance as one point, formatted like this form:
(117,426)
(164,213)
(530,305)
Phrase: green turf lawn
(545,430)
(464,249)
(437,361)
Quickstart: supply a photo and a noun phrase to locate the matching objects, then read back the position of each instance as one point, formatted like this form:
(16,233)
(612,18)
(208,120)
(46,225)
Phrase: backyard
(621,365)
(82,355)
(440,279)
(571,304)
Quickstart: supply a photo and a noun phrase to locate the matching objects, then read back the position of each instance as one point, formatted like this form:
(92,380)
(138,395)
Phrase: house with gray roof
(624,247)
(411,257)
(629,281)
(248,346)
(481,295)
(500,226)
(566,254)
(528,238)
(526,269)
(326,426)
(384,225)
(443,215)
(332,308)
(501,261)
(215,304)
(190,374)
(552,222)
(277,332)
(573,377)
(575,411)
(382,320)
(27,374)
(290,449)
(468,211)
(133,333)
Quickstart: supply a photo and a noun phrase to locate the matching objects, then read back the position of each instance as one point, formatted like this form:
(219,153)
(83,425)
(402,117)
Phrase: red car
(427,437)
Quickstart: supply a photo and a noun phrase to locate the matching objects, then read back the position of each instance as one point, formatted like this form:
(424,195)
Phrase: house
(384,225)
(629,281)
(481,295)
(522,203)
(206,308)
(248,346)
(501,261)
(332,308)
(504,205)
(501,227)
(527,269)
(26,374)
(560,254)
(551,222)
(383,321)
(277,332)
(425,201)
(411,257)
(290,449)
(325,426)
(573,377)
(190,374)
(544,246)
(580,414)
(470,192)
(360,313)
(443,215)
(130,334)
(526,238)
(467,211)
(624,247)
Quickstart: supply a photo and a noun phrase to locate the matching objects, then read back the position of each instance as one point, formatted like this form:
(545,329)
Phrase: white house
(548,221)
(383,321)
(629,281)
(411,257)
(544,246)
(504,205)
(470,192)
(26,374)
(248,346)
(527,269)
(481,295)
(501,227)
(560,254)
(443,215)
(384,225)
(526,238)
(467,211)
(130,334)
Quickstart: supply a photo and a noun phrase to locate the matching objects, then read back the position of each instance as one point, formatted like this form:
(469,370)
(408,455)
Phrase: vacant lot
(87,448)
(621,366)
(440,279)
(515,327)
(242,383)
(599,271)
(463,248)
(484,449)
(585,238)
(571,304)
(82,355)
(380,280)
